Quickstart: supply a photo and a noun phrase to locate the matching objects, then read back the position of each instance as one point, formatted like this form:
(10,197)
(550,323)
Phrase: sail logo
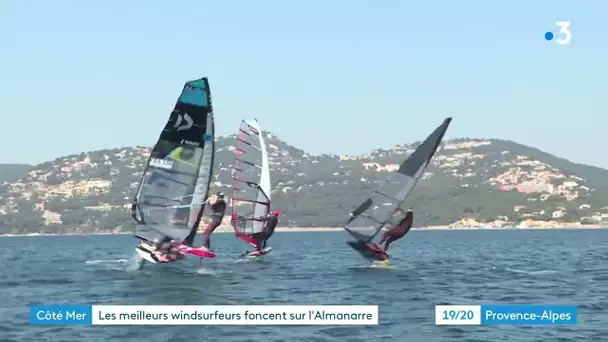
(187,122)
(161,163)
(188,142)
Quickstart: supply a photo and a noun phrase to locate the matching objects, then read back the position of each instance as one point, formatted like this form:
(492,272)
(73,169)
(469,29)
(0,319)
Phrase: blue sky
(325,76)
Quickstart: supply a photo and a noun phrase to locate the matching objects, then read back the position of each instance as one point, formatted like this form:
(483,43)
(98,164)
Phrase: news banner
(291,314)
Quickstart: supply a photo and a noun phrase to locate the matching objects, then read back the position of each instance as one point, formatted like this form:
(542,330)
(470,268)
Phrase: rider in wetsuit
(218,209)
(398,231)
(164,250)
(270,223)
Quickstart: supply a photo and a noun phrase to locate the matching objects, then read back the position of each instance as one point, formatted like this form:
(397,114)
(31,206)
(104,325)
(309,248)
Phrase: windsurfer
(166,250)
(218,209)
(398,231)
(270,223)
(163,245)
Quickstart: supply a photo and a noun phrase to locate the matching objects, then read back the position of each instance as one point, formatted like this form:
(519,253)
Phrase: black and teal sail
(171,196)
(382,208)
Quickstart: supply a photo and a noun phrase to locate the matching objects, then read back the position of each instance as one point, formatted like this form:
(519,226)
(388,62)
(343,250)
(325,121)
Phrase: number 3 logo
(564,29)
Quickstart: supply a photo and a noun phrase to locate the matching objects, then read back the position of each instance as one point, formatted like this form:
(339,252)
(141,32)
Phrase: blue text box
(61,314)
(528,314)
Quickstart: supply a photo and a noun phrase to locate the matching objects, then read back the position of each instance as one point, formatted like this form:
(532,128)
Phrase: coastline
(224,230)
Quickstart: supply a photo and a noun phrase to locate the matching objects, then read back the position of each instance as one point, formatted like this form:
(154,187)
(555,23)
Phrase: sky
(341,77)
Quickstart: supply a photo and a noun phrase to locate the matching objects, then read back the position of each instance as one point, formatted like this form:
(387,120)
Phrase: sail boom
(250,201)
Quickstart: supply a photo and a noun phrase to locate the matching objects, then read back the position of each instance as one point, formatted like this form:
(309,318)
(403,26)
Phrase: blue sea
(428,268)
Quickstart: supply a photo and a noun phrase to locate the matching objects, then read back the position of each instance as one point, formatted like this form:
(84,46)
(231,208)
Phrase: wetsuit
(171,254)
(164,244)
(217,214)
(165,249)
(398,231)
(271,222)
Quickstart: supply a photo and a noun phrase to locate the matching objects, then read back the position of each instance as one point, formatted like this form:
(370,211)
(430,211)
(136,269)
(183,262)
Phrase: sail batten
(383,207)
(251,168)
(171,195)
(249,144)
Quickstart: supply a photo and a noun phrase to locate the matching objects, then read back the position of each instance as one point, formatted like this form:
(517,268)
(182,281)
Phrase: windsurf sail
(251,182)
(382,208)
(170,198)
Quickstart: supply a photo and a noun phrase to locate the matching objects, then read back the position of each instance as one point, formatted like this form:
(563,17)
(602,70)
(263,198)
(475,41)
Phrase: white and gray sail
(382,207)
(170,198)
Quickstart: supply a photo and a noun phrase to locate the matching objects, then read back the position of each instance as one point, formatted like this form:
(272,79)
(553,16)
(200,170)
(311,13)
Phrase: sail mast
(201,191)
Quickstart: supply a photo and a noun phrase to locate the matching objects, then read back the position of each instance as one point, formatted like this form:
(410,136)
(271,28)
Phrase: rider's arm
(265,218)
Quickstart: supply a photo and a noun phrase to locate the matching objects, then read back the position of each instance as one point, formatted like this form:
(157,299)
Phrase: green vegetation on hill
(486,180)
(11,172)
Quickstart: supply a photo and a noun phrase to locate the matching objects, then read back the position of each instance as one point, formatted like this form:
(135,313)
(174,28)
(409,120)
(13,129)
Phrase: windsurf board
(380,264)
(145,251)
(255,254)
(369,251)
(196,251)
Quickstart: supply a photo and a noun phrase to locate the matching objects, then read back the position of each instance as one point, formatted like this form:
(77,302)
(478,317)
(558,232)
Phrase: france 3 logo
(564,34)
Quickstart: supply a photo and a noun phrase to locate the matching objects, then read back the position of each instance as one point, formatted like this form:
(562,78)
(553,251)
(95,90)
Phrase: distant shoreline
(335,229)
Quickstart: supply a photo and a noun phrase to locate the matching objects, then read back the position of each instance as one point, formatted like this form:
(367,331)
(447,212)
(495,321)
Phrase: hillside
(12,172)
(494,181)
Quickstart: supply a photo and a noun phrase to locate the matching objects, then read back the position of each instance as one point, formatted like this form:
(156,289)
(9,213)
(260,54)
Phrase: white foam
(111,261)
(540,272)
(208,271)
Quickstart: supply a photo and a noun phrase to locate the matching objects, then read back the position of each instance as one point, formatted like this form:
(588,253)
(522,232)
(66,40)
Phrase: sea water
(427,268)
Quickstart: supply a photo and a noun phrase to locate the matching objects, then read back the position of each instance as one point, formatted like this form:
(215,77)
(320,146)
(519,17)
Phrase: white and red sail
(251,182)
